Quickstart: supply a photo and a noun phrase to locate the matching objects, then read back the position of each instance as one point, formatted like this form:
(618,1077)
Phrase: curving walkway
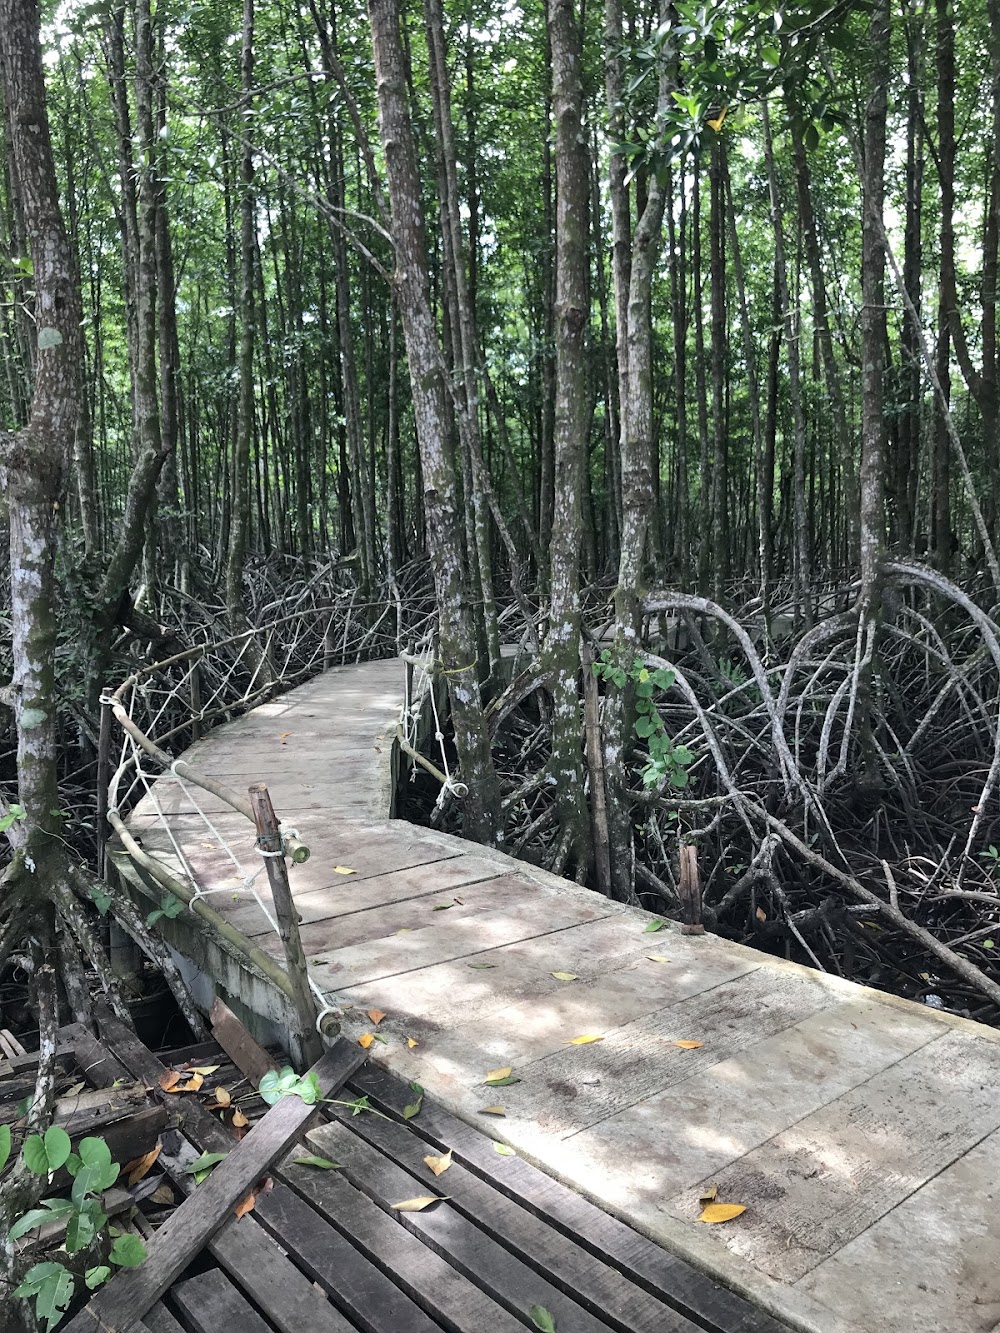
(861,1132)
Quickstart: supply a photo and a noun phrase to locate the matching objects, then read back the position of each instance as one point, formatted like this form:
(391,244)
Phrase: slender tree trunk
(412,279)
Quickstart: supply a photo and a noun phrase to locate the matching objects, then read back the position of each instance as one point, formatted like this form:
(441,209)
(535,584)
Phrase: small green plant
(170,906)
(284,1082)
(51,1284)
(16,814)
(666,760)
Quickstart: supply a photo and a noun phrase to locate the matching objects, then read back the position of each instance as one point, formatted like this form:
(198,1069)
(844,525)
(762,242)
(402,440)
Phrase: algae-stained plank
(818,1185)
(451,1297)
(131,1292)
(507,1279)
(360,1289)
(461,938)
(680,1283)
(725,1111)
(933,1258)
(209,1303)
(290,1300)
(569,1265)
(502,892)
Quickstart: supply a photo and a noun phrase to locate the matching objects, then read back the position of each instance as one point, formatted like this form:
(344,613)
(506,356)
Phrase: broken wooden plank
(209,1303)
(130,1294)
(245,1051)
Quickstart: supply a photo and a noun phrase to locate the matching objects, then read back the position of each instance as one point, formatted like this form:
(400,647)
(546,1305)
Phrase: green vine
(666,761)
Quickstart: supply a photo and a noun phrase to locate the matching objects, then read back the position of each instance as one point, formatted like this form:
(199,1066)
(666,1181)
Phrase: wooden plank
(465,938)
(672,1278)
(245,1051)
(502,1275)
(160,1320)
(130,1294)
(343,930)
(433,1283)
(831,1176)
(601,1289)
(362,1291)
(96,1063)
(210,1303)
(290,1300)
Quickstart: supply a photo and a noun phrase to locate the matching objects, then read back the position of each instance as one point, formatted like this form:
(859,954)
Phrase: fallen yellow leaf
(239,1119)
(192,1085)
(344,870)
(365,1040)
(657,958)
(419,1204)
(405,930)
(439,1164)
(495,1075)
(709,1195)
(245,1206)
(169,1079)
(411,1042)
(376,1016)
(689,1045)
(585,1040)
(721,1212)
(222,1097)
(139,1166)
(203,1070)
(492,1110)
(564,976)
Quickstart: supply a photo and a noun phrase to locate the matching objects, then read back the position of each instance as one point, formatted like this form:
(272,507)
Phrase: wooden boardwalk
(861,1132)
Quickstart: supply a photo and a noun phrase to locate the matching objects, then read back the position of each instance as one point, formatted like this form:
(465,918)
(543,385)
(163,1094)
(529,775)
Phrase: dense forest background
(657,340)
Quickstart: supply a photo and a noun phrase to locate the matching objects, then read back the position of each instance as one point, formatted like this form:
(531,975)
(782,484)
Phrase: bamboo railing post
(103,779)
(269,842)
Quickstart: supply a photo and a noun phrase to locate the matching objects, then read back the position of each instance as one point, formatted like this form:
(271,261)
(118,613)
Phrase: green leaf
(52,1287)
(4,1145)
(46,1153)
(770,55)
(205,1162)
(310,1159)
(504,1149)
(170,905)
(96,1172)
(655,924)
(504,1082)
(542,1319)
(95,1277)
(645,726)
(101,900)
(80,1232)
(414,1107)
(35,1217)
(128,1251)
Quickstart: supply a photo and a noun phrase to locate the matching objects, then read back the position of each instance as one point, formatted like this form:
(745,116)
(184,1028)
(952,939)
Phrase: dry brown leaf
(376,1016)
(439,1164)
(585,1040)
(721,1212)
(411,1042)
(492,1110)
(203,1070)
(760,914)
(239,1119)
(495,1075)
(245,1205)
(222,1097)
(365,1040)
(709,1195)
(192,1084)
(163,1194)
(564,976)
(418,1204)
(169,1079)
(689,1045)
(139,1166)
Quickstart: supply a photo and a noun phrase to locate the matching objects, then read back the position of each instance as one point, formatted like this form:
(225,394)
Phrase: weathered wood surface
(829,1110)
(128,1296)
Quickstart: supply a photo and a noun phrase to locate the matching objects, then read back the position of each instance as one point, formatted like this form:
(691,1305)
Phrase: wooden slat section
(246,1053)
(160,1320)
(448,1295)
(593,1283)
(355,1285)
(671,1278)
(502,1275)
(130,1294)
(209,1303)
